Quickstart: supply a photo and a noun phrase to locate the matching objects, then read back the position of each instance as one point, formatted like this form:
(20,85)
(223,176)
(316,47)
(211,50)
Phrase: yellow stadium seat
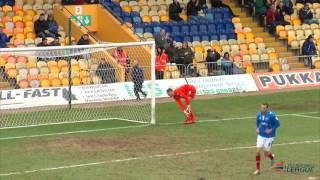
(53,75)
(65,81)
(31,35)
(282,34)
(30,12)
(146,19)
(16,8)
(22,59)
(6,8)
(12,72)
(45,83)
(18,42)
(86,80)
(127,9)
(217,47)
(75,68)
(52,63)
(275,67)
(55,82)
(164,18)
(29,24)
(27,18)
(296,22)
(62,63)
(199,49)
(279,28)
(258,40)
(11,59)
(249,69)
(83,74)
(32,77)
(235,20)
(76,81)
(20,36)
(2,62)
(19,13)
(43,76)
(31,64)
(317,64)
(273,56)
(54,69)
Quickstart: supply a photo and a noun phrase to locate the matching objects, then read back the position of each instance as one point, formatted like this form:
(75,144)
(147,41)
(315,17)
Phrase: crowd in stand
(168,52)
(193,8)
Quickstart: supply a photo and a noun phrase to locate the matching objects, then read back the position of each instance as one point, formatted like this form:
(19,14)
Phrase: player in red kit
(186,92)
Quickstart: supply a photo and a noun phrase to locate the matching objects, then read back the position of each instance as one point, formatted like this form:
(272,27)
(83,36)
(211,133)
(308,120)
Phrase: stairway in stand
(269,40)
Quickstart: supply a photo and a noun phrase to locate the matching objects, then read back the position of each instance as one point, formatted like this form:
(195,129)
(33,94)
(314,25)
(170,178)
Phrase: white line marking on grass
(139,126)
(151,157)
(300,115)
(73,132)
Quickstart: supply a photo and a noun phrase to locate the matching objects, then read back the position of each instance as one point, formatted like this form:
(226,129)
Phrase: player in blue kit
(266,126)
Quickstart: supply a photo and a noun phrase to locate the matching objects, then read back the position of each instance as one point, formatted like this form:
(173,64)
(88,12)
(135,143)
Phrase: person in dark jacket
(84,40)
(193,8)
(41,27)
(137,74)
(211,59)
(162,39)
(306,14)
(309,49)
(285,7)
(185,55)
(172,52)
(55,42)
(52,26)
(174,10)
(106,72)
(4,39)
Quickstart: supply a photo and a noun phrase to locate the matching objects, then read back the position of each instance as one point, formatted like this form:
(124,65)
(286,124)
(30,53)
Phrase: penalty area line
(139,126)
(301,115)
(150,157)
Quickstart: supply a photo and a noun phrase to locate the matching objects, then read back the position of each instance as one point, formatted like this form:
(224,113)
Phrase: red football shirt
(186,91)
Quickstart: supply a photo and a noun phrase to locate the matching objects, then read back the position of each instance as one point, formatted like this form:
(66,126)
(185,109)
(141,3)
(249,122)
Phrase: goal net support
(71,84)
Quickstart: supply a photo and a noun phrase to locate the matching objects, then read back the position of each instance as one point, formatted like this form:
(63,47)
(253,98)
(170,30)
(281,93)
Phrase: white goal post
(71,84)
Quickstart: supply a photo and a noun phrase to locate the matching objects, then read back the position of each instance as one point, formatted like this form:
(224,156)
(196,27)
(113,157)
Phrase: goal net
(71,84)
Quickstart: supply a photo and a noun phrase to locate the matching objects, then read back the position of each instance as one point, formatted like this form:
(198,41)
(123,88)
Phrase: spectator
(220,4)
(261,8)
(226,63)
(84,40)
(52,26)
(162,39)
(4,39)
(55,42)
(41,27)
(285,7)
(275,17)
(92,1)
(192,8)
(43,43)
(106,72)
(186,54)
(7,2)
(174,10)
(211,59)
(309,49)
(73,42)
(122,58)
(203,4)
(172,52)
(138,79)
(306,14)
(307,1)
(161,61)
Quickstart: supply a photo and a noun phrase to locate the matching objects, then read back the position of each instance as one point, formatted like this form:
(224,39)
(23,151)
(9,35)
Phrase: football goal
(73,84)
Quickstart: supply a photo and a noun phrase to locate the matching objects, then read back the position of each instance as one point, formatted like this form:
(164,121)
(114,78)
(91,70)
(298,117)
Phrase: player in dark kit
(186,92)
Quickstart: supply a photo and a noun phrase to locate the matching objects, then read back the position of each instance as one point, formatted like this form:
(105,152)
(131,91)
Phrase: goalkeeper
(187,92)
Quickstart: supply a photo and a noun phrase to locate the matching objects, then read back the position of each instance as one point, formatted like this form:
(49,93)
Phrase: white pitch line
(300,115)
(139,126)
(150,157)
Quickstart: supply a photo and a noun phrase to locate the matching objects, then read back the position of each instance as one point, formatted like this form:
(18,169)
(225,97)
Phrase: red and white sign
(287,80)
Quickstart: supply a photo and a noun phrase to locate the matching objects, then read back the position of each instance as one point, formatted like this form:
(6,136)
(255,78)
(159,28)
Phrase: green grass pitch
(211,149)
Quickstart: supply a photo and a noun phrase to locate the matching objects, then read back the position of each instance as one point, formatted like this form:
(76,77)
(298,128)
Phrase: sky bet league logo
(281,167)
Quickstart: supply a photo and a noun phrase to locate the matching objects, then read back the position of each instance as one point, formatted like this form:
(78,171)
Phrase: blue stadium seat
(139,30)
(203,29)
(148,29)
(205,38)
(136,20)
(156,29)
(223,37)
(214,37)
(187,39)
(185,30)
(195,38)
(193,30)
(178,38)
(232,36)
(175,30)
